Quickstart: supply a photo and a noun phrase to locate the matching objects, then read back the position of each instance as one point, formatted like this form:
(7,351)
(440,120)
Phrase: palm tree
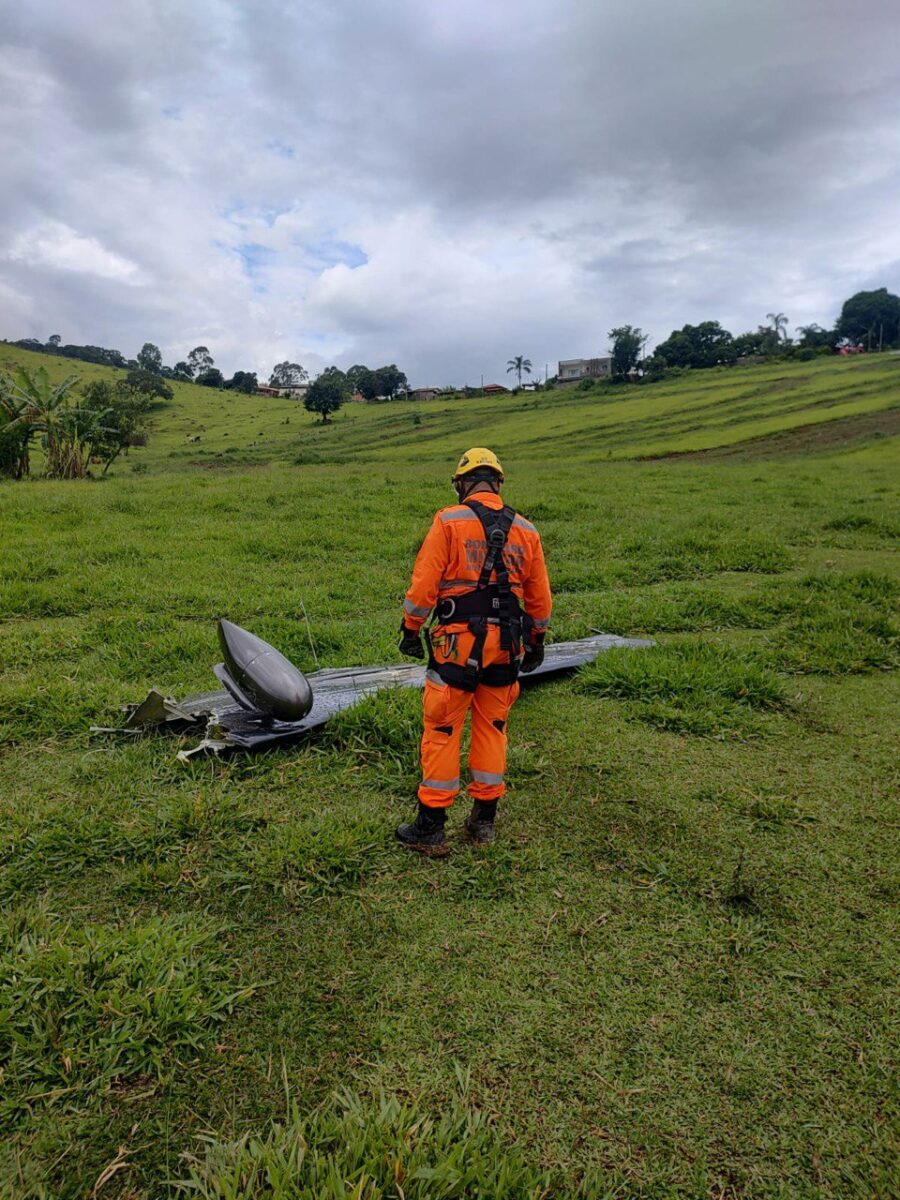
(779,323)
(519,364)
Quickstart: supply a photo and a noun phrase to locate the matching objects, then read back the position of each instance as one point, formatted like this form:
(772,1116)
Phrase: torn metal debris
(262,686)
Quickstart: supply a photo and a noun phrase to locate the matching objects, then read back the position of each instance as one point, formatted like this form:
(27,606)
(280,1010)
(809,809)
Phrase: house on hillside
(573,370)
(495,389)
(290,391)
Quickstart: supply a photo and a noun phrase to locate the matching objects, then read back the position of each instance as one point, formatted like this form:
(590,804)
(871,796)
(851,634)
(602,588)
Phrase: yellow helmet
(478,456)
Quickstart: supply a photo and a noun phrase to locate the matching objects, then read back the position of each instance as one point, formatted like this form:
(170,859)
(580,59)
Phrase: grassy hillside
(673,976)
(699,411)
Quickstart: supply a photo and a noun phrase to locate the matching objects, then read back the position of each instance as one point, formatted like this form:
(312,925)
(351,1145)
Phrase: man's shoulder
(455,512)
(524,523)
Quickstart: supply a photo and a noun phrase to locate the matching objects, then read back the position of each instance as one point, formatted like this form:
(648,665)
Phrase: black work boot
(480,822)
(426,832)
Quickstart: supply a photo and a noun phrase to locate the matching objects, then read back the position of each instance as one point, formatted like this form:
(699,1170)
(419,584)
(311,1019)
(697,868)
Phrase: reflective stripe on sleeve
(457,514)
(540,622)
(486,777)
(442,785)
(414,610)
(524,524)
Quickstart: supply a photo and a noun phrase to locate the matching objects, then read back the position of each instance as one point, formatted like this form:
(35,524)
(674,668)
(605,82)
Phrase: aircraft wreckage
(267,701)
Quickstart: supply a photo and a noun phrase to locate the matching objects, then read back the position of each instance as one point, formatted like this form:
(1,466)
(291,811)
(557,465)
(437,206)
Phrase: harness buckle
(444,614)
(497,538)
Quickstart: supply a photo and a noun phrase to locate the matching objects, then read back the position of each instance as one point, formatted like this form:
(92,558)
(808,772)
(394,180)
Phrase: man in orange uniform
(481,568)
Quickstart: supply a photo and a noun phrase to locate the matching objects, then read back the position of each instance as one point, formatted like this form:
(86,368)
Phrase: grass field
(675,973)
(716,408)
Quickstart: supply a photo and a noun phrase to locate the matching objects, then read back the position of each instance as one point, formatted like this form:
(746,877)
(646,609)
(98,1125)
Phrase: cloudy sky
(439,183)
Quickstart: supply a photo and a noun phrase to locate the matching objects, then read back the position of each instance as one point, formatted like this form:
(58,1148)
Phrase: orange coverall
(449,563)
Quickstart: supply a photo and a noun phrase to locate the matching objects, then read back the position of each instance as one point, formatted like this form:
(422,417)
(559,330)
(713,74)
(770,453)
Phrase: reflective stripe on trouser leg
(443,712)
(487,754)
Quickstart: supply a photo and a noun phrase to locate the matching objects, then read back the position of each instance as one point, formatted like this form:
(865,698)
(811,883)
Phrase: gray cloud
(439,185)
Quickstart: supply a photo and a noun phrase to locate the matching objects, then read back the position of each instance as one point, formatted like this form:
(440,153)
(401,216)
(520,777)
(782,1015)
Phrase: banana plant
(31,406)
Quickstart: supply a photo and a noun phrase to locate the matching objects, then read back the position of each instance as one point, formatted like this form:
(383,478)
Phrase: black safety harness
(486,603)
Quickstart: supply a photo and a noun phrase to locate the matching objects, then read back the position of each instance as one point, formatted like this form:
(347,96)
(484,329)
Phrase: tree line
(325,394)
(868,321)
(199,366)
(333,387)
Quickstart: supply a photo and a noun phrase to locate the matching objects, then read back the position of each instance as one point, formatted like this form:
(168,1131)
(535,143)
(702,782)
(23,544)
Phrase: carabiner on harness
(445,609)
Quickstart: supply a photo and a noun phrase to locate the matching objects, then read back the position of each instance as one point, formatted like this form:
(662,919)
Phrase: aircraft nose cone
(264,674)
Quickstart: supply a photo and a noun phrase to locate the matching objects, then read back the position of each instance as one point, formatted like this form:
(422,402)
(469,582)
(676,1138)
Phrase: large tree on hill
(703,345)
(327,393)
(242,381)
(390,380)
(212,377)
(145,383)
(355,375)
(871,317)
(366,384)
(813,336)
(627,343)
(199,360)
(519,364)
(288,374)
(150,358)
(384,383)
(753,342)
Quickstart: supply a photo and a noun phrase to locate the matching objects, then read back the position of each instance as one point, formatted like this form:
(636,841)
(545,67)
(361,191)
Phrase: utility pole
(482,383)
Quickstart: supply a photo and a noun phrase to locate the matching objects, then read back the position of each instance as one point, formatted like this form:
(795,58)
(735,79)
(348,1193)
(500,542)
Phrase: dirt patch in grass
(824,435)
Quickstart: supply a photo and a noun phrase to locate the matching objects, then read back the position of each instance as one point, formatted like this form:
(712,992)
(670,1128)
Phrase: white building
(290,391)
(571,370)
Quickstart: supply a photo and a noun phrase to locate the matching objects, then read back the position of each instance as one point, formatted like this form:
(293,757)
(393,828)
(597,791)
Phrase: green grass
(373,1150)
(690,687)
(674,973)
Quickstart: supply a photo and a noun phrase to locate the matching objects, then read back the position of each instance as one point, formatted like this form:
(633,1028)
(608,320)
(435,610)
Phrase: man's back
(453,553)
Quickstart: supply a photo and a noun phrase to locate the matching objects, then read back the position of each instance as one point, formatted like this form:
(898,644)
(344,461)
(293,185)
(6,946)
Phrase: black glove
(534,654)
(410,642)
